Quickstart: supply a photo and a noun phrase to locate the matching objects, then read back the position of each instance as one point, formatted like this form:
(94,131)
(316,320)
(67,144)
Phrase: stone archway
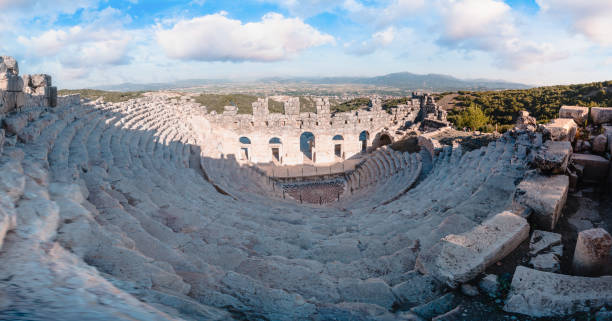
(364,136)
(307,144)
(245,145)
(383,138)
(276,148)
(338,142)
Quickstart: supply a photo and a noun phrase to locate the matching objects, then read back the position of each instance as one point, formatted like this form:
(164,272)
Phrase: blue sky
(95,42)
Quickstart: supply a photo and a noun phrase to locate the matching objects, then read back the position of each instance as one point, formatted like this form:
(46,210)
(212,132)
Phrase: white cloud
(218,38)
(592,18)
(378,40)
(100,43)
(383,15)
(489,25)
(307,8)
(17,13)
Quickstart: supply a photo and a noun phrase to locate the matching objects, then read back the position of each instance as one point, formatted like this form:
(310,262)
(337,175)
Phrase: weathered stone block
(462,257)
(545,195)
(553,157)
(562,129)
(9,64)
(541,294)
(41,80)
(600,143)
(601,115)
(43,91)
(10,82)
(577,113)
(592,253)
(595,167)
(10,100)
(52,96)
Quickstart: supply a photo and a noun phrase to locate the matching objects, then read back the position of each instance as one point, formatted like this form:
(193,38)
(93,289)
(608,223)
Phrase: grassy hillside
(110,96)
(502,107)
(352,104)
(276,106)
(307,105)
(217,102)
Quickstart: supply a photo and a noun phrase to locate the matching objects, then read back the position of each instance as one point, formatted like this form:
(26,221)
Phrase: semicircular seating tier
(108,206)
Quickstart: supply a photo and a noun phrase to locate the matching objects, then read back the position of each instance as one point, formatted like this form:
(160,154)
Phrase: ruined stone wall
(262,126)
(17,92)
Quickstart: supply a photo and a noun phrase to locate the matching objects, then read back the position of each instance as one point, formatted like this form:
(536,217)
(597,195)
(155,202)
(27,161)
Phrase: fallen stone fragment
(542,240)
(577,113)
(553,157)
(460,258)
(544,294)
(545,195)
(548,262)
(592,253)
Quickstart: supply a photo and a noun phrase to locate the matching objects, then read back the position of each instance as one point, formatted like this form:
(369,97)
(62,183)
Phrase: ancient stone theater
(158,209)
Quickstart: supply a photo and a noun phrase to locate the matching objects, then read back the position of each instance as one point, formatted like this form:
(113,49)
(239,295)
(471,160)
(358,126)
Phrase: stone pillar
(592,253)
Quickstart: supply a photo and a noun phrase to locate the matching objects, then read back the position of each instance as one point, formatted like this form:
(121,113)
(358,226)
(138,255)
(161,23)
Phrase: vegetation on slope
(276,106)
(216,102)
(109,96)
(307,105)
(352,104)
(501,107)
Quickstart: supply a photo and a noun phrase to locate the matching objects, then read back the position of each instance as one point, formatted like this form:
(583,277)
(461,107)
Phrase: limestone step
(460,258)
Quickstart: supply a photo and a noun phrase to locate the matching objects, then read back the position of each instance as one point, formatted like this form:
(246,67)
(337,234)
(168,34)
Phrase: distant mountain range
(401,80)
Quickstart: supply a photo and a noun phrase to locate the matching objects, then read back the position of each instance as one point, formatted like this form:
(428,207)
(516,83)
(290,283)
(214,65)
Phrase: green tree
(472,117)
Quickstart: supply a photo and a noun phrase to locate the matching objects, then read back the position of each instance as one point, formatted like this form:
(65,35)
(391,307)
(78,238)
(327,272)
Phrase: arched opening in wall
(245,144)
(384,140)
(307,144)
(364,136)
(338,140)
(275,146)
